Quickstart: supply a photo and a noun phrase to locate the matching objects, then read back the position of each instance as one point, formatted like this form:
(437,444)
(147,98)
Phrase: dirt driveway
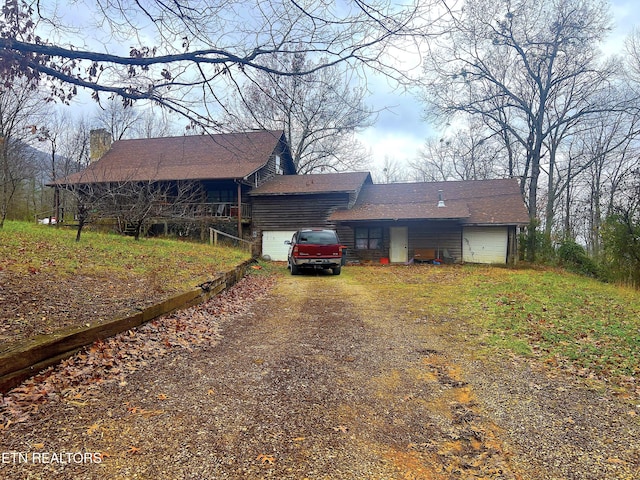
(325,378)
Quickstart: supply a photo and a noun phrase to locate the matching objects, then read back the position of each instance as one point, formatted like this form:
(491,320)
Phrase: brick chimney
(99,143)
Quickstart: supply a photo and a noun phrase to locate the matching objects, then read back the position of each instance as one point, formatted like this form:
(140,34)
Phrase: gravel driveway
(323,379)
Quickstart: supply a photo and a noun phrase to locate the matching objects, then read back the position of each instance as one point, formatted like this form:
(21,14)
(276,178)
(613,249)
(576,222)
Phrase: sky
(400,131)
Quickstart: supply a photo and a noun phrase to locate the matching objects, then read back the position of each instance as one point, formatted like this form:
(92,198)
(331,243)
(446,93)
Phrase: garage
(484,244)
(273,244)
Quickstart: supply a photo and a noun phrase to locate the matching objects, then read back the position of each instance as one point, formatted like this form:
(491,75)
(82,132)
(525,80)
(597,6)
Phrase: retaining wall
(27,358)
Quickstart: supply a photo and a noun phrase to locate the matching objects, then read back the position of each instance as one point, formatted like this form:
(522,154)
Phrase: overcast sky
(400,131)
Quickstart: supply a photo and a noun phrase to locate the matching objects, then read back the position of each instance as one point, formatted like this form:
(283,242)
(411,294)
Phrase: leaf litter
(111,360)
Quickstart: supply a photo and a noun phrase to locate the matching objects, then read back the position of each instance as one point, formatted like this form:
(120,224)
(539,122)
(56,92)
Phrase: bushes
(621,244)
(574,258)
(569,254)
(619,261)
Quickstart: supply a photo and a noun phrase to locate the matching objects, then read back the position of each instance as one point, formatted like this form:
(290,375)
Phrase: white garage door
(484,244)
(273,244)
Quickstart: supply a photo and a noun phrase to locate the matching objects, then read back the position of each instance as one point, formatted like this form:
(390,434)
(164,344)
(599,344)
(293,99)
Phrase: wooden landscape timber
(29,357)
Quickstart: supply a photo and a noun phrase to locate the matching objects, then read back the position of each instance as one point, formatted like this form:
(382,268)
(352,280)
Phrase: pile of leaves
(112,359)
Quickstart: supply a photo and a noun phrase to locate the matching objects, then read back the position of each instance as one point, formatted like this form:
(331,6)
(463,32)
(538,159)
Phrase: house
(462,221)
(226,167)
(248,180)
(287,203)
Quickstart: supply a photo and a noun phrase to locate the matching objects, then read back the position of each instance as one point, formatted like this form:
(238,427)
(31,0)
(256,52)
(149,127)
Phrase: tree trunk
(533,204)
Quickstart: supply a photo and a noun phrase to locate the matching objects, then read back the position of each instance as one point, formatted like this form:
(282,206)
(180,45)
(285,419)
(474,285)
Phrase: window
(318,237)
(369,238)
(278,165)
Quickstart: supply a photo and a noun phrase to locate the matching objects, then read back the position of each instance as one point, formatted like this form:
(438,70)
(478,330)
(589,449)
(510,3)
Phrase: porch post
(239,210)
(56,204)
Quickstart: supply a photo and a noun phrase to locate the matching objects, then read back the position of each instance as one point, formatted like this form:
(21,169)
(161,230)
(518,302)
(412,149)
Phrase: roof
(195,157)
(477,202)
(313,183)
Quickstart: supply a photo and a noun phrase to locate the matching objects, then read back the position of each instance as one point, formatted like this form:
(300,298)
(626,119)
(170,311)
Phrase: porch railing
(222,210)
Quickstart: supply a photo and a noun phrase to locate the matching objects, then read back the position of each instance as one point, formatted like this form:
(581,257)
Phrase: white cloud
(399,131)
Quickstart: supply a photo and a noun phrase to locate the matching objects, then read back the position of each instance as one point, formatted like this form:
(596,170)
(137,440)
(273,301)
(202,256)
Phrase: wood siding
(269,170)
(439,235)
(292,212)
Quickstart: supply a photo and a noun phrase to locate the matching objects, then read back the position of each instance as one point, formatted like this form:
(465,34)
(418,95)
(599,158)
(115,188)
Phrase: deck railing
(212,209)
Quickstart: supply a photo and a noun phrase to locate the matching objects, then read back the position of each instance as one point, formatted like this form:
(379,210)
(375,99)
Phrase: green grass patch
(586,326)
(579,322)
(170,264)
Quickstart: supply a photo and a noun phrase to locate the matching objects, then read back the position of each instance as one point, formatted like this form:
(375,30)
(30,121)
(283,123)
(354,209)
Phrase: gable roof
(313,183)
(476,202)
(195,157)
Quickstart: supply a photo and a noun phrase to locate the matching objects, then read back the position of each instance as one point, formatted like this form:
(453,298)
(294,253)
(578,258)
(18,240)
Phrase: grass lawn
(581,325)
(49,281)
(25,247)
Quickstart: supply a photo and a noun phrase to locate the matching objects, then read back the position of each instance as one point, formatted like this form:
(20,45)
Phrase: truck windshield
(320,237)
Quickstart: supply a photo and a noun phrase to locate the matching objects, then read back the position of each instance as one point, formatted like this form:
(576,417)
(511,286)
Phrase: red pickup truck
(312,248)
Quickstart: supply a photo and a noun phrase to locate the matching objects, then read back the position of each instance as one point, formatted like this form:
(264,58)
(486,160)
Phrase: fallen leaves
(266,459)
(112,359)
(134,410)
(93,429)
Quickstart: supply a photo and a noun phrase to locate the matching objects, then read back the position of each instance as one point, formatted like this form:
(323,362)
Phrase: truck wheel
(294,269)
(337,270)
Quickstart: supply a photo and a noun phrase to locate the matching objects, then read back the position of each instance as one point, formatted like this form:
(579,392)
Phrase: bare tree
(66,141)
(155,122)
(181,54)
(528,69)
(612,159)
(391,171)
(118,119)
(134,121)
(633,56)
(89,199)
(319,112)
(469,153)
(18,107)
(133,204)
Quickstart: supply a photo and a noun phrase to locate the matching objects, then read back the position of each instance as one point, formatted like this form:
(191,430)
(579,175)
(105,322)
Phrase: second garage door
(484,244)
(273,244)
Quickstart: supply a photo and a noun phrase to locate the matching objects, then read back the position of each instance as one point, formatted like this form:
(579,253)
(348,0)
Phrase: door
(399,245)
(273,244)
(484,244)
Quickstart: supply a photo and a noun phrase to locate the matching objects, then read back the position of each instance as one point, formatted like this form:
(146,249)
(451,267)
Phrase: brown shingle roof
(478,202)
(316,183)
(195,157)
